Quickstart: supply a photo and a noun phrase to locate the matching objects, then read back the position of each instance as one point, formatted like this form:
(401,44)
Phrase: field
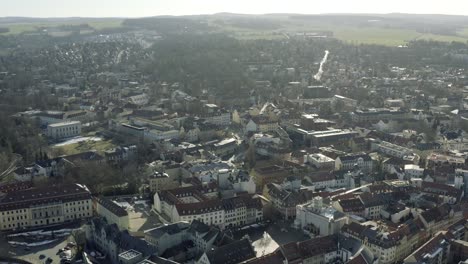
(99,146)
(31,27)
(353,35)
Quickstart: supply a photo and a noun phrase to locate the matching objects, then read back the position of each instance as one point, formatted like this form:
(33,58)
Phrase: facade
(375,115)
(44,206)
(261,124)
(413,171)
(109,240)
(393,150)
(320,161)
(120,154)
(218,118)
(235,252)
(348,162)
(319,220)
(167,236)
(112,212)
(435,251)
(160,181)
(189,204)
(58,131)
(321,250)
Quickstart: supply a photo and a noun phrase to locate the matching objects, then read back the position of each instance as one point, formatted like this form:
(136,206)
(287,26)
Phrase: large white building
(63,130)
(348,162)
(44,206)
(318,219)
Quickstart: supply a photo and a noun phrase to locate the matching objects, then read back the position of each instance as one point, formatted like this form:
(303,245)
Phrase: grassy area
(29,27)
(99,146)
(463,32)
(20,28)
(351,34)
(98,25)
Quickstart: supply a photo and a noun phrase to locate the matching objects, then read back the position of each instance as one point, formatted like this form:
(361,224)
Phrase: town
(166,142)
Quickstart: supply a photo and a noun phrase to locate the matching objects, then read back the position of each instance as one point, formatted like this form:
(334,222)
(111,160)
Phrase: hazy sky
(139,8)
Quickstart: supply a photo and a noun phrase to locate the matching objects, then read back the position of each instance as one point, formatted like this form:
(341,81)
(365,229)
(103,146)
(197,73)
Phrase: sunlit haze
(141,8)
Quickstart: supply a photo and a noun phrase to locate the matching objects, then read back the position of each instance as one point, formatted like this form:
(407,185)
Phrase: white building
(413,171)
(318,219)
(319,160)
(113,213)
(63,130)
(392,150)
(348,162)
(44,206)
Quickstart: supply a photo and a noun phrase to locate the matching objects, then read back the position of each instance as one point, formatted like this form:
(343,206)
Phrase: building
(389,245)
(109,240)
(314,251)
(58,131)
(320,161)
(348,162)
(285,199)
(434,251)
(119,154)
(218,118)
(196,238)
(374,203)
(413,171)
(189,204)
(225,147)
(393,150)
(261,124)
(167,236)
(112,212)
(159,181)
(352,206)
(233,253)
(340,103)
(140,99)
(318,219)
(44,206)
(130,257)
(376,114)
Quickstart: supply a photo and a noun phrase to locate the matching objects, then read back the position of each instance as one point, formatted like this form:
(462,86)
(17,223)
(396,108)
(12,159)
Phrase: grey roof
(170,229)
(233,253)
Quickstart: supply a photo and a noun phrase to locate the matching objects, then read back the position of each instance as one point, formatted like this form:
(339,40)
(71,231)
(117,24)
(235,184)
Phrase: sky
(143,8)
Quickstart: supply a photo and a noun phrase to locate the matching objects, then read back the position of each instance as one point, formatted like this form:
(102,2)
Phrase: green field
(31,27)
(351,34)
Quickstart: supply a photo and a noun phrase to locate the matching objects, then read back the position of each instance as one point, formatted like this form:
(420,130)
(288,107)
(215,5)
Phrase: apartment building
(44,206)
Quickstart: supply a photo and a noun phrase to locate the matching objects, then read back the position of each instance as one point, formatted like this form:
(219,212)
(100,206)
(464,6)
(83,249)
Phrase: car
(42,256)
(49,260)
